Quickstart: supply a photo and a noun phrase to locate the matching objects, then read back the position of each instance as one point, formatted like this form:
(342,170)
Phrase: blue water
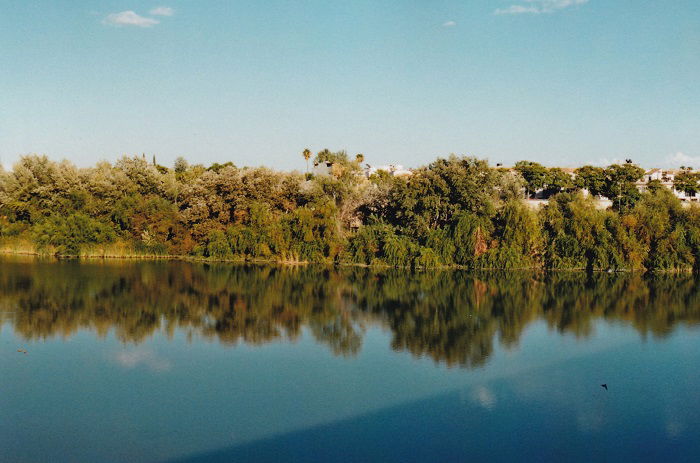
(104,379)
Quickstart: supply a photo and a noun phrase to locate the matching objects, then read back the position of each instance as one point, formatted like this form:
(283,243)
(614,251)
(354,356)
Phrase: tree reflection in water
(451,316)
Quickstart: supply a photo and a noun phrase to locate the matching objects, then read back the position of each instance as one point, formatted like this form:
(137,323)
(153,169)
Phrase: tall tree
(620,185)
(591,178)
(181,165)
(558,180)
(687,182)
(307,155)
(534,174)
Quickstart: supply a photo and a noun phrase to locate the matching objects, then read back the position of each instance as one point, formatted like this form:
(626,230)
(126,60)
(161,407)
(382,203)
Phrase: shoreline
(287,263)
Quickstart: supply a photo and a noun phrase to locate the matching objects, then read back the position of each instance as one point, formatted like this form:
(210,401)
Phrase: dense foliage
(453,212)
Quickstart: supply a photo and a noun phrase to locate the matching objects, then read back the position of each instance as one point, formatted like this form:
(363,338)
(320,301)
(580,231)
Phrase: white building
(666,178)
(324,168)
(397,170)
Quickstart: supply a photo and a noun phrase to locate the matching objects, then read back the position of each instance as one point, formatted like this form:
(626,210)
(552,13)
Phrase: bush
(218,246)
(69,235)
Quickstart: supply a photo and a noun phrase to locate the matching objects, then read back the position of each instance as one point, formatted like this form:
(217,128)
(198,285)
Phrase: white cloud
(449,24)
(162,11)
(681,159)
(129,18)
(671,161)
(517,9)
(146,358)
(538,6)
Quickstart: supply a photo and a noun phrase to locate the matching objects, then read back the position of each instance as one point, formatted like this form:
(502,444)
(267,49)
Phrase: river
(175,361)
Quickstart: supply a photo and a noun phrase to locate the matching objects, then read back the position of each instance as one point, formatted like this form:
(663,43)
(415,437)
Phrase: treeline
(457,318)
(453,212)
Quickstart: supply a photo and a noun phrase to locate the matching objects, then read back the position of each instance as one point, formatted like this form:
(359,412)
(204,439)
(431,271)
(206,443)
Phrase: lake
(189,362)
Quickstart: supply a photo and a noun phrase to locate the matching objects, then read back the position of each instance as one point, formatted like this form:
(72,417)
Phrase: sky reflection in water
(159,361)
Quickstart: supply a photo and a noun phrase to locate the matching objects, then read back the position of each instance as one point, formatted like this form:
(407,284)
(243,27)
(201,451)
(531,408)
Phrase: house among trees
(606,184)
(396,170)
(323,168)
(330,168)
(330,164)
(682,182)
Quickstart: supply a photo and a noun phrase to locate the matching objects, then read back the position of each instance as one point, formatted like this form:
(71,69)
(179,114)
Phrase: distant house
(653,174)
(397,170)
(666,177)
(540,193)
(323,168)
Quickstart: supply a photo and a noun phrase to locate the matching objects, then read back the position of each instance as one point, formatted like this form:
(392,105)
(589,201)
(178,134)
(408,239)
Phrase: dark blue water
(188,362)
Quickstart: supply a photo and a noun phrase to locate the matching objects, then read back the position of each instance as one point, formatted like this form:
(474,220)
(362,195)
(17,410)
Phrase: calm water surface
(172,361)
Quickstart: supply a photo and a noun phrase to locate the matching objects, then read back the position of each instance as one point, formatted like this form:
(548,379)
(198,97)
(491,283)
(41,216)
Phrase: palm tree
(307,156)
(359,158)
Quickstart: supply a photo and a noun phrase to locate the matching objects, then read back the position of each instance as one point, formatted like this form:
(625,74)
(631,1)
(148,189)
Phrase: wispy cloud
(484,397)
(538,6)
(129,18)
(162,11)
(449,24)
(672,161)
(517,9)
(681,159)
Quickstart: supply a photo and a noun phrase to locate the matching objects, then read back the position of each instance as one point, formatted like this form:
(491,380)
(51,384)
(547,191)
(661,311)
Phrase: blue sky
(563,82)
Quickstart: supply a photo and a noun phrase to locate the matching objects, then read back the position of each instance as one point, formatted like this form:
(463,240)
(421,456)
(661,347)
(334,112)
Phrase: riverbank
(453,213)
(291,263)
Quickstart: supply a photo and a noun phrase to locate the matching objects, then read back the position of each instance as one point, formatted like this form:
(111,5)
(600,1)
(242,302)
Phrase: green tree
(534,174)
(577,236)
(181,165)
(620,185)
(557,181)
(654,186)
(687,182)
(70,234)
(434,195)
(307,155)
(590,178)
(327,155)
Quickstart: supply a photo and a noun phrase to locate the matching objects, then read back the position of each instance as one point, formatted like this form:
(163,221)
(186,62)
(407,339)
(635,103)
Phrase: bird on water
(604,386)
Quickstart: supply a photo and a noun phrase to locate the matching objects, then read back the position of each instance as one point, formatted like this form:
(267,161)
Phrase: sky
(561,82)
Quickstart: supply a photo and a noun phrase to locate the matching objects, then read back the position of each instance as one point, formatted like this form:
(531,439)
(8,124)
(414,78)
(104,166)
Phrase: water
(172,361)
